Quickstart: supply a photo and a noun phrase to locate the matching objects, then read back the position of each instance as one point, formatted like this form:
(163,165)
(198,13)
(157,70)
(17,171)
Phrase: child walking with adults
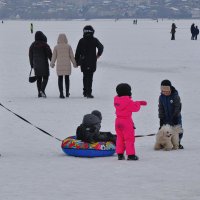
(86,57)
(39,54)
(63,56)
(124,124)
(169,107)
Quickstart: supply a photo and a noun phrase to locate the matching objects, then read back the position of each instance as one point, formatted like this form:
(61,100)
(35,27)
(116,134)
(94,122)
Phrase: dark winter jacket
(39,53)
(196,31)
(173,29)
(192,29)
(169,108)
(86,55)
(90,135)
(89,131)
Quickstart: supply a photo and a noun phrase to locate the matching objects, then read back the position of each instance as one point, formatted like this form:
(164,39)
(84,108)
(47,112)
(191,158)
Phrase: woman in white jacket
(63,56)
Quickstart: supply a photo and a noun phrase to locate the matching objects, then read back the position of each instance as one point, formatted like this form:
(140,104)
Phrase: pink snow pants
(124,128)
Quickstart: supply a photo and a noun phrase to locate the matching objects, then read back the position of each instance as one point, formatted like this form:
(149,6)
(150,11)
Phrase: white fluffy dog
(167,137)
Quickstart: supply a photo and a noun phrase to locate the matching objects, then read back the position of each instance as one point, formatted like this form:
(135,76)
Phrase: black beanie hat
(88,30)
(90,119)
(123,89)
(97,113)
(166,83)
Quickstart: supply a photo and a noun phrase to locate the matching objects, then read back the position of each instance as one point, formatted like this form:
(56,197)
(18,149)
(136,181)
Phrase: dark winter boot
(60,86)
(90,96)
(181,146)
(42,93)
(84,93)
(44,84)
(39,95)
(132,157)
(62,96)
(67,85)
(121,157)
(113,139)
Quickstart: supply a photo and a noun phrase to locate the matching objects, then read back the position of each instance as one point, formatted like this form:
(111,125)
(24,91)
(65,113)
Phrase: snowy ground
(33,166)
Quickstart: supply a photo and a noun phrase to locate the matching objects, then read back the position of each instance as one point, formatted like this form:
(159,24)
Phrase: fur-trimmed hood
(62,39)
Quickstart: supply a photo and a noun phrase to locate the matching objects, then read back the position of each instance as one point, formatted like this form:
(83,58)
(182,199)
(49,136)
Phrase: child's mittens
(143,103)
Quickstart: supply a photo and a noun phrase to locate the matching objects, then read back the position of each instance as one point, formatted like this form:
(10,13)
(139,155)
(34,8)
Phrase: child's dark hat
(123,89)
(97,113)
(90,119)
(166,83)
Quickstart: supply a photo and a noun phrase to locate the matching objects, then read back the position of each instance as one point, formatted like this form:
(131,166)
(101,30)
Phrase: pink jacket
(124,106)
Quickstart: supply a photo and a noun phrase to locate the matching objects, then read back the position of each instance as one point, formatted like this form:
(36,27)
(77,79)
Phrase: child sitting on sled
(89,130)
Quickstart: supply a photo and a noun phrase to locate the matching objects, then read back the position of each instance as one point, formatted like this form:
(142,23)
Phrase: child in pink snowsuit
(124,124)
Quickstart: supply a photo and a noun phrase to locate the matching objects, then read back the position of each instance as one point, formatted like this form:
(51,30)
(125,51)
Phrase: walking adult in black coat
(196,32)
(173,31)
(39,53)
(192,29)
(86,57)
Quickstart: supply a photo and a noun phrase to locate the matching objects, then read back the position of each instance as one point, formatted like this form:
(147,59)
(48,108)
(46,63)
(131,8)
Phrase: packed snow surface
(32,164)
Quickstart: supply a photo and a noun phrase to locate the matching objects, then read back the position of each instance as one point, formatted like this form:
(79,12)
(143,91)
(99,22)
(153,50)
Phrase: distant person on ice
(63,56)
(86,56)
(124,124)
(192,30)
(173,31)
(31,27)
(39,54)
(196,32)
(169,107)
(89,130)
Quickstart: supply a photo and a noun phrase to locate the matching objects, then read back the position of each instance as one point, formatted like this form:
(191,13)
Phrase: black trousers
(60,84)
(42,83)
(87,83)
(173,36)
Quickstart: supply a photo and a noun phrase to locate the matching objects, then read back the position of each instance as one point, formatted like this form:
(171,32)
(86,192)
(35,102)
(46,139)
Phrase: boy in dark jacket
(86,57)
(169,107)
(89,130)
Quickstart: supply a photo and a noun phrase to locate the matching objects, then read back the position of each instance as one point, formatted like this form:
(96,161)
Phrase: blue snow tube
(73,147)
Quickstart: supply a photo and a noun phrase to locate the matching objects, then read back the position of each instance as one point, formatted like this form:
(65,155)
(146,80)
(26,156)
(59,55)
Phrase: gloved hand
(161,123)
(143,103)
(52,65)
(175,120)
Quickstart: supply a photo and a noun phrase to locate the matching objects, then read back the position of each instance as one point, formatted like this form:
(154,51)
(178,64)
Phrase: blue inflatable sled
(73,147)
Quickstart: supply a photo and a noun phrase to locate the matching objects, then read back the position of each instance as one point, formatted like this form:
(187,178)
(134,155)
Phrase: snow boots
(121,157)
(132,157)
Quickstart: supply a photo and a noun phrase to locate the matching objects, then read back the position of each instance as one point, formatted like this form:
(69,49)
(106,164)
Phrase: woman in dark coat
(39,53)
(169,107)
(86,57)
